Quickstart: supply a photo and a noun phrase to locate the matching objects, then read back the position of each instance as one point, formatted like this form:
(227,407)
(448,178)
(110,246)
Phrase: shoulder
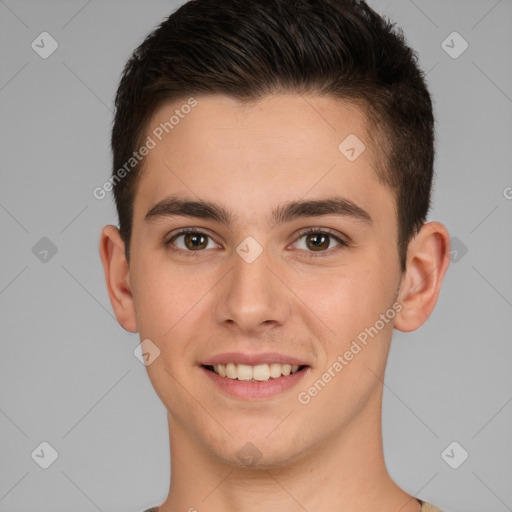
(425,507)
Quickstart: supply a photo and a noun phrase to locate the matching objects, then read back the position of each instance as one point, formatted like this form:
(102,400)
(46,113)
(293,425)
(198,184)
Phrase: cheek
(169,309)
(350,302)
(163,296)
(174,311)
(344,299)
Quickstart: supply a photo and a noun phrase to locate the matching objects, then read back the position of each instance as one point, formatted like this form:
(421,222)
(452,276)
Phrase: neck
(345,472)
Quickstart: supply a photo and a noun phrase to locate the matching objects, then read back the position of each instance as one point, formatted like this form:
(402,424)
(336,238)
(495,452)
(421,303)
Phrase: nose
(252,298)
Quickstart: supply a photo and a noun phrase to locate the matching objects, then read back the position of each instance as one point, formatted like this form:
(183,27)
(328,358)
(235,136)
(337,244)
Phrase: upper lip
(253,359)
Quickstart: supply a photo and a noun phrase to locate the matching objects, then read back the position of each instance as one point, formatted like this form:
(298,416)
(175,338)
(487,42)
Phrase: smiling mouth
(257,373)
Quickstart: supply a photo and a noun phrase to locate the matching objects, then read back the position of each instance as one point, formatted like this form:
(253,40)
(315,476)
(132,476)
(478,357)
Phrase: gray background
(68,375)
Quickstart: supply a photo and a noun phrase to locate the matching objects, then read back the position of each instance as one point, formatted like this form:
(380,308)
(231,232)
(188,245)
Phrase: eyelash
(309,254)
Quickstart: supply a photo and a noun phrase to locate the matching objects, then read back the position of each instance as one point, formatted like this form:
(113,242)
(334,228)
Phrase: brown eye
(195,241)
(192,241)
(318,241)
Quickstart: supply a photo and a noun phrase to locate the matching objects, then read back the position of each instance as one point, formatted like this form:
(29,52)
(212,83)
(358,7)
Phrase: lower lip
(248,390)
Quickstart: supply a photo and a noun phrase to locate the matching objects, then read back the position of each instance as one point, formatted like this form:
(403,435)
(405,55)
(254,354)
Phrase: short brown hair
(248,49)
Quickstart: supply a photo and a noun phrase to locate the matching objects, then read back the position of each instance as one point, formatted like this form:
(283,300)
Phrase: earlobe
(117,277)
(428,258)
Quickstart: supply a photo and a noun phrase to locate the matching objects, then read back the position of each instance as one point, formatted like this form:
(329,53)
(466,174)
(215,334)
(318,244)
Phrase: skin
(323,455)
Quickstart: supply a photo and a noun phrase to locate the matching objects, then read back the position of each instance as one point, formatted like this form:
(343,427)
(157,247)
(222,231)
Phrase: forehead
(270,150)
(285,121)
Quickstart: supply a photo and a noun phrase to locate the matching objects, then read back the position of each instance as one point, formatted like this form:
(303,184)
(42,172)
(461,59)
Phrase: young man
(272,174)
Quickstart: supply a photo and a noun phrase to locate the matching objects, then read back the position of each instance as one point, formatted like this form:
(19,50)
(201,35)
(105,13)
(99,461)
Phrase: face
(292,261)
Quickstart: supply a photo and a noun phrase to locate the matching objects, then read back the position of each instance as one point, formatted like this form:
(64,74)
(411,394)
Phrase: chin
(258,452)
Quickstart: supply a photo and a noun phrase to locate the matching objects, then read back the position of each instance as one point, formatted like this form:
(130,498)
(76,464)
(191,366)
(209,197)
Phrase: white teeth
(275,370)
(231,371)
(286,369)
(260,372)
(244,372)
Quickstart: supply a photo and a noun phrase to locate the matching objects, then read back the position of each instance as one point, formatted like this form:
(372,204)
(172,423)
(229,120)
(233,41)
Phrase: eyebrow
(174,206)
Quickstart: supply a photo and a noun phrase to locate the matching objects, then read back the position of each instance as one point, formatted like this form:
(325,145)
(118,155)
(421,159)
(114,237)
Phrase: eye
(191,240)
(319,240)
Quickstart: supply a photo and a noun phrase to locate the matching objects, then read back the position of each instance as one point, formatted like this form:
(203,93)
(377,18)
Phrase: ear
(428,257)
(117,277)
